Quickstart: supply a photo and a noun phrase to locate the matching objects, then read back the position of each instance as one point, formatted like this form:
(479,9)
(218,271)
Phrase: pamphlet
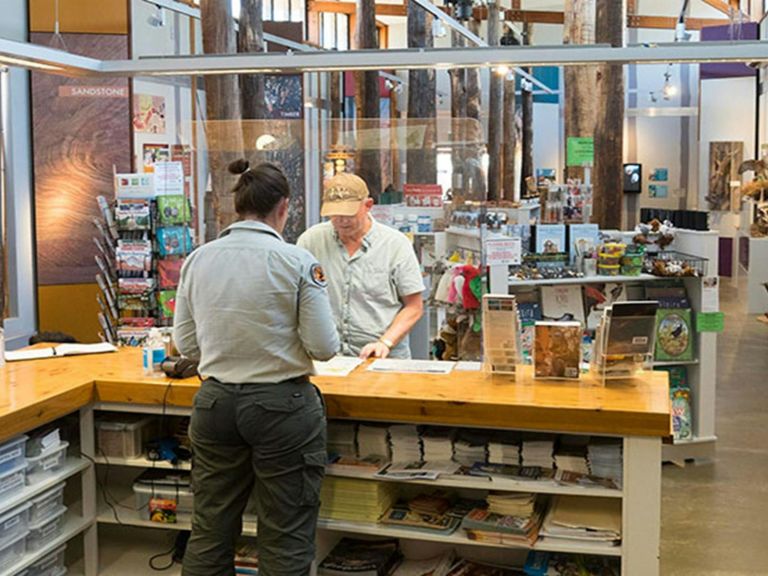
(411,366)
(337,366)
(60,350)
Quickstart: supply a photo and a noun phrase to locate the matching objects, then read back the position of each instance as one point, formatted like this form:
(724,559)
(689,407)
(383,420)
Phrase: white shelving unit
(73,525)
(449,481)
(642,487)
(80,518)
(702,371)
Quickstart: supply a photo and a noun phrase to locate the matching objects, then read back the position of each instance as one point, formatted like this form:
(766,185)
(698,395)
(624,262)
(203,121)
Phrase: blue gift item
(174,241)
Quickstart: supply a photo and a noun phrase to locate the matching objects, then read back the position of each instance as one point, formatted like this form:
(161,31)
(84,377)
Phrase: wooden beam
(669,22)
(349,8)
(719,5)
(530,16)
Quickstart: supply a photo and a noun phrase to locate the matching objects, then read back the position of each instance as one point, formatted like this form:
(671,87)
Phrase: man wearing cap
(374,278)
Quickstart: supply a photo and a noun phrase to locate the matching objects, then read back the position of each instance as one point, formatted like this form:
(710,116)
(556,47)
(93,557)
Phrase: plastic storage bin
(175,488)
(123,436)
(44,466)
(50,565)
(43,440)
(12,481)
(46,505)
(12,454)
(12,551)
(13,523)
(43,532)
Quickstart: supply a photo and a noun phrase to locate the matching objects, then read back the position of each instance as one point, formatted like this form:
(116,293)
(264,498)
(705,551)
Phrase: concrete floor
(715,515)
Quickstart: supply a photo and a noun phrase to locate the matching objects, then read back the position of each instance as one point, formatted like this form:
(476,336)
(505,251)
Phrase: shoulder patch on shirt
(317,275)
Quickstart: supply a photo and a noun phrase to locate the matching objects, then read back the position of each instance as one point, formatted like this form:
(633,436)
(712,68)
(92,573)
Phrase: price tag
(503,252)
(710,321)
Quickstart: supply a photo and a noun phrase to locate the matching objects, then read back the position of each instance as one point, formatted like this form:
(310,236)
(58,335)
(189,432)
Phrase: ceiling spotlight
(668,90)
(502,70)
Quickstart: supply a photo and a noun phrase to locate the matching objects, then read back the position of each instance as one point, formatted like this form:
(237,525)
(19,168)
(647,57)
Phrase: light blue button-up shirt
(252,308)
(367,288)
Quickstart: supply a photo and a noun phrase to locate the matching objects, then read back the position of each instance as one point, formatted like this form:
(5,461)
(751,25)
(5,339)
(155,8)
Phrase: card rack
(142,244)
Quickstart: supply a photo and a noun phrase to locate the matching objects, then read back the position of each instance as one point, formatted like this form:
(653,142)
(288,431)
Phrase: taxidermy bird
(760,181)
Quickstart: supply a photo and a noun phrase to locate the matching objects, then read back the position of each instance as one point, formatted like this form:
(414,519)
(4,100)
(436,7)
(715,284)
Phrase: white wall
(727,113)
(22,321)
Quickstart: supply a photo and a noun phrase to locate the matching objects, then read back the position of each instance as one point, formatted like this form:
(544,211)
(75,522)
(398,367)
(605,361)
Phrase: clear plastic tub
(12,454)
(44,466)
(180,493)
(47,504)
(50,565)
(43,532)
(12,481)
(12,551)
(13,523)
(123,436)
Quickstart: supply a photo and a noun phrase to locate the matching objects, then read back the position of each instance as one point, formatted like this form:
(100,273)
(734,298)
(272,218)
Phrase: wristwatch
(388,343)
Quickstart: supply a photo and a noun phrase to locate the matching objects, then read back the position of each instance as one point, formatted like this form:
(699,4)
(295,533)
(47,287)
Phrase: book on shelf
(584,518)
(417,470)
(361,557)
(471,568)
(436,566)
(425,513)
(598,297)
(351,465)
(674,335)
(557,350)
(550,239)
(680,396)
(512,472)
(583,239)
(570,478)
(557,564)
(562,302)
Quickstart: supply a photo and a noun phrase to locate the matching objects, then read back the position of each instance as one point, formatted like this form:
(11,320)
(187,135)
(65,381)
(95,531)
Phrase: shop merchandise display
(142,243)
(362,558)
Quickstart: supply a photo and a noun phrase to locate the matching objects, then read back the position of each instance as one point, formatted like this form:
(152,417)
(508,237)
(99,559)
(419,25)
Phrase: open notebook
(60,350)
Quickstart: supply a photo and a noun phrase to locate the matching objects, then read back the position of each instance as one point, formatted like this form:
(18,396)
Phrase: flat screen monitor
(633,178)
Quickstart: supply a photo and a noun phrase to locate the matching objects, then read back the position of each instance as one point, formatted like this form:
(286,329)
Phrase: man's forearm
(405,320)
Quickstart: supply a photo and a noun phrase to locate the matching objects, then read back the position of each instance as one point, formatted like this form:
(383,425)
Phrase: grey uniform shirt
(366,288)
(253,308)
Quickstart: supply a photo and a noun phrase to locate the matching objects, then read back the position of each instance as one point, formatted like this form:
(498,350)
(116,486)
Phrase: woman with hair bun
(254,311)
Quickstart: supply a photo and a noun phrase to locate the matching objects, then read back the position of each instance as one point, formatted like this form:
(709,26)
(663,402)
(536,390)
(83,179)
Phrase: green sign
(580,151)
(710,321)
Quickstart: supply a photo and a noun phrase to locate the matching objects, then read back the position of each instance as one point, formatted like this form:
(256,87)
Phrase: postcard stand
(501,334)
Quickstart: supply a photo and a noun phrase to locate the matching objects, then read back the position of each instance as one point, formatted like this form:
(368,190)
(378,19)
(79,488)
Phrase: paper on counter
(467,366)
(411,366)
(337,366)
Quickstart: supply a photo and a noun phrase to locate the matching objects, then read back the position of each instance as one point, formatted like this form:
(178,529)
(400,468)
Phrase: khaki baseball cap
(343,195)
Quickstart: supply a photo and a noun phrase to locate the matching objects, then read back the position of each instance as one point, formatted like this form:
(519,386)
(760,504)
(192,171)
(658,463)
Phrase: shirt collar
(369,236)
(253,226)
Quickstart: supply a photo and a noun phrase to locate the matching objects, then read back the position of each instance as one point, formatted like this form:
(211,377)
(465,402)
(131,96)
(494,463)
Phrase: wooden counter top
(35,392)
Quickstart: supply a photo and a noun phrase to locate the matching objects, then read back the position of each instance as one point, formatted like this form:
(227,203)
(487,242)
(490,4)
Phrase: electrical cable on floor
(171,561)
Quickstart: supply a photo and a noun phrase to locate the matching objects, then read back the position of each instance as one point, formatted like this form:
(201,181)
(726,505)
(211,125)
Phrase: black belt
(297,380)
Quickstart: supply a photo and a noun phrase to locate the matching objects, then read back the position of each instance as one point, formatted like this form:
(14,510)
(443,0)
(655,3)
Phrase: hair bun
(238,166)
